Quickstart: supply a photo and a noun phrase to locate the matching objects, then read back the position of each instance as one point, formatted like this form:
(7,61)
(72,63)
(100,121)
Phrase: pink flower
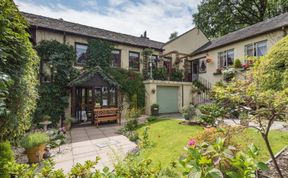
(192,142)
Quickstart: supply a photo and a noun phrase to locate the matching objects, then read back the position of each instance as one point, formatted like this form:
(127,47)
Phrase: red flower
(191,142)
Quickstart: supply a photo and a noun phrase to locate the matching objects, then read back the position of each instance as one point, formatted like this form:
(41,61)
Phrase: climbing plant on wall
(99,53)
(57,61)
(20,63)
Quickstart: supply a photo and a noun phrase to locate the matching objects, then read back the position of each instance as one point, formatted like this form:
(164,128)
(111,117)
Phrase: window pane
(202,65)
(116,58)
(230,57)
(249,50)
(105,96)
(261,48)
(221,59)
(112,100)
(81,53)
(154,61)
(98,97)
(134,61)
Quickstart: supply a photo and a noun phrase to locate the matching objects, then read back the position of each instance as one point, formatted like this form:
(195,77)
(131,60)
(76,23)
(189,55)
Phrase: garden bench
(106,114)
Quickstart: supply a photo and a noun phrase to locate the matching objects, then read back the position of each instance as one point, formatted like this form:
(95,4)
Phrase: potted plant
(155,109)
(67,123)
(34,145)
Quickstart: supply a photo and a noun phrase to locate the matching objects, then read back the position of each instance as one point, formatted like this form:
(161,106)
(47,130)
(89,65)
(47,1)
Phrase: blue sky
(158,17)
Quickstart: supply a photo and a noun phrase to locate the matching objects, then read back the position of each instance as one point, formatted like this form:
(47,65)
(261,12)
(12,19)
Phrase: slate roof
(248,32)
(89,74)
(69,27)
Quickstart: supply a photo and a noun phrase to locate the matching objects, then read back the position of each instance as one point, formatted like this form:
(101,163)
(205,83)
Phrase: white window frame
(255,48)
(225,56)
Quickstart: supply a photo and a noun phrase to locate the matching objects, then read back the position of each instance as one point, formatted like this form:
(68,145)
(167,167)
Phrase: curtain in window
(261,48)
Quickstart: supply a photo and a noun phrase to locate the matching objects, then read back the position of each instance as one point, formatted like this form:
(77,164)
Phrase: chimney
(144,35)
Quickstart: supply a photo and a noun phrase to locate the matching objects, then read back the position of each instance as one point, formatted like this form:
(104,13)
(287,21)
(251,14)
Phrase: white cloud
(158,17)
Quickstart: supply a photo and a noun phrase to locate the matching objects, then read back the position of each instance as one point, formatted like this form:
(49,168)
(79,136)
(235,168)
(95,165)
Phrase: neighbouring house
(220,53)
(192,53)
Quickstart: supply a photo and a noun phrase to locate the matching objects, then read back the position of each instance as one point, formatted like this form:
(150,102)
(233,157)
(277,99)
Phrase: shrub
(229,74)
(160,74)
(189,112)
(145,141)
(152,118)
(210,112)
(132,135)
(176,75)
(237,64)
(34,139)
(6,155)
(19,61)
(219,160)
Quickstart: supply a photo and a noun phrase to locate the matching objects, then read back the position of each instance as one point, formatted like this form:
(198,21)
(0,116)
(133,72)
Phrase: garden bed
(282,160)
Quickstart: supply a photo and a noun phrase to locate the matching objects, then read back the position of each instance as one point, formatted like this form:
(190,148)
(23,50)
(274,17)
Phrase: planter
(35,154)
(155,111)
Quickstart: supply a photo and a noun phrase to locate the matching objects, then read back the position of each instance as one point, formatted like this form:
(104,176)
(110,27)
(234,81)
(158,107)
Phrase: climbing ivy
(54,94)
(19,61)
(99,53)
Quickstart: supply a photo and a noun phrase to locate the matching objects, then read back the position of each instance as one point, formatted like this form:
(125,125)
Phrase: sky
(159,18)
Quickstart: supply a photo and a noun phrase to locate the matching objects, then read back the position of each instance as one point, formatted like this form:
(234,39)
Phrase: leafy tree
(173,35)
(54,94)
(263,96)
(19,62)
(219,17)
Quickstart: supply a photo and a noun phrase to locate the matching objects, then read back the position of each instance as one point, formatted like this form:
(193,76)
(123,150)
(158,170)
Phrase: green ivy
(19,61)
(54,95)
(99,53)
(131,83)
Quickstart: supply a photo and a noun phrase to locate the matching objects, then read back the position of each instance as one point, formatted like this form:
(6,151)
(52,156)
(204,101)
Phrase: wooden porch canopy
(93,89)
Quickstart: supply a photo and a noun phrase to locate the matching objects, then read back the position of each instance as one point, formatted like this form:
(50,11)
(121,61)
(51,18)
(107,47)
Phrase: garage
(167,98)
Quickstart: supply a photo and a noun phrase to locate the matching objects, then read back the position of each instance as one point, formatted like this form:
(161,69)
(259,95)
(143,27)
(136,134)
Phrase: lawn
(169,138)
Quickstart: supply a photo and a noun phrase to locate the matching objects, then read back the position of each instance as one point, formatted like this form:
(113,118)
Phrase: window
(116,58)
(154,61)
(225,58)
(81,53)
(46,72)
(202,65)
(167,63)
(134,60)
(105,97)
(256,49)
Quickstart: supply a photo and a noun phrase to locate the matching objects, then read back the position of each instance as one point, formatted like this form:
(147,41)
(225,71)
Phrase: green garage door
(167,98)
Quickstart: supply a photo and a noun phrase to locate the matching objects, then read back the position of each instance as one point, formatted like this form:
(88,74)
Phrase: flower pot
(35,154)
(155,111)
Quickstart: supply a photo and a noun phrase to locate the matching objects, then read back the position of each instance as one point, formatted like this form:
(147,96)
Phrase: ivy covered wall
(19,61)
(57,71)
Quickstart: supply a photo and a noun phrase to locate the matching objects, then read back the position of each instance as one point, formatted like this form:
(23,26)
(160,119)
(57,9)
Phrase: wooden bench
(106,114)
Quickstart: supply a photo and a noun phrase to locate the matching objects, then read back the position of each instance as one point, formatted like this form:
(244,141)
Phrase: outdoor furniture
(106,114)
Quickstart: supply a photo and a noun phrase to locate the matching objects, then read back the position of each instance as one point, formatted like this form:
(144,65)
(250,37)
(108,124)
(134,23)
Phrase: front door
(195,70)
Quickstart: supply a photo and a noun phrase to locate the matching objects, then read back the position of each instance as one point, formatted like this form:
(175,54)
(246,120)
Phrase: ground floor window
(226,58)
(256,49)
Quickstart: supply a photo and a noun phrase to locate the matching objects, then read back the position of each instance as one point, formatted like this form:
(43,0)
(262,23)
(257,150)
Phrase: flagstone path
(89,142)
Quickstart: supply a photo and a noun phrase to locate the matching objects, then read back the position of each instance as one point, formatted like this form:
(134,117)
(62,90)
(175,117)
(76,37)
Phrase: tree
(19,62)
(173,35)
(219,17)
(263,99)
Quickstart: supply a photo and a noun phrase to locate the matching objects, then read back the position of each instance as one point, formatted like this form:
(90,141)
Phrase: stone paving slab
(90,142)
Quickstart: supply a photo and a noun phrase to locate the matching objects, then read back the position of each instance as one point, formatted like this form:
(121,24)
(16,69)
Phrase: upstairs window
(116,58)
(256,49)
(154,61)
(225,58)
(134,61)
(81,53)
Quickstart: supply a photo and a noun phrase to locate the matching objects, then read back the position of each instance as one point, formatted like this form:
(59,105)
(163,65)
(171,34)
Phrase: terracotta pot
(35,154)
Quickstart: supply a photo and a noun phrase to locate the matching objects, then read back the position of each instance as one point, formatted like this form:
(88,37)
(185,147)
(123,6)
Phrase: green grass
(170,137)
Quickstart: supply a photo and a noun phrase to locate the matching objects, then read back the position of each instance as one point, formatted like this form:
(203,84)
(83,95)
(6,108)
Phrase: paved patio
(89,142)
